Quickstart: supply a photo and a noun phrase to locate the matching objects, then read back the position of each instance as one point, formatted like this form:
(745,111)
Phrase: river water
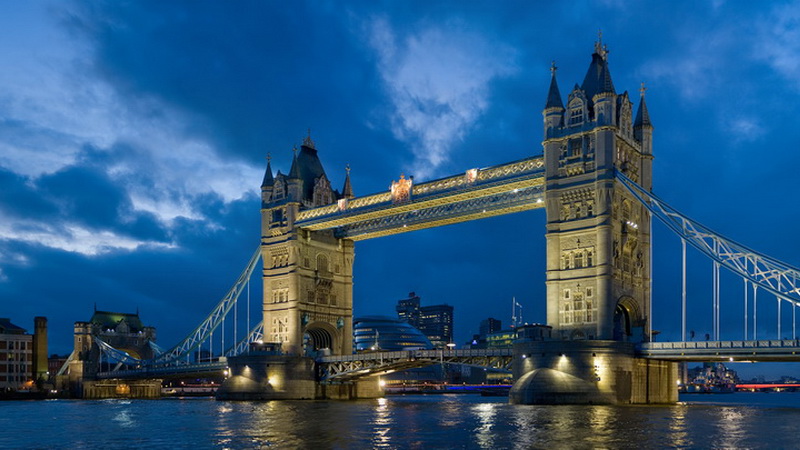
(741,420)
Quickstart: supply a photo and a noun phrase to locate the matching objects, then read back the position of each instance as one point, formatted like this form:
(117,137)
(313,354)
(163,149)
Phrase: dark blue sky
(133,137)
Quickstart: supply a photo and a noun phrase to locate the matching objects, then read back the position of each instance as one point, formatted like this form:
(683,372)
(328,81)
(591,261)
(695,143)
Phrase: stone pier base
(281,377)
(269,377)
(367,388)
(589,372)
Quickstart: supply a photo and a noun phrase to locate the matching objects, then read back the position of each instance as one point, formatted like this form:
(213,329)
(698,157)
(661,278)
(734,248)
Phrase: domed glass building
(375,333)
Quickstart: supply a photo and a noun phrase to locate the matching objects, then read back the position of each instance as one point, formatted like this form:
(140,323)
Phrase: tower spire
(294,172)
(268,179)
(553,95)
(347,191)
(642,116)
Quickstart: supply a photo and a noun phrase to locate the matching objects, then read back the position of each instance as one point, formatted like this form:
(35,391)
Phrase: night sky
(133,138)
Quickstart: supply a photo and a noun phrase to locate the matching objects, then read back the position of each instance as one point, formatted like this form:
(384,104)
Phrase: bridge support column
(261,376)
(265,376)
(590,372)
(369,387)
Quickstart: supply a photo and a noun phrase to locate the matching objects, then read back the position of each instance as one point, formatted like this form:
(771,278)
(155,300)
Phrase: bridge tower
(308,275)
(598,235)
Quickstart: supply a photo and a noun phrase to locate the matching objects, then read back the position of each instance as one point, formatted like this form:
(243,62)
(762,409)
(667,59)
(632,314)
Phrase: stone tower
(598,235)
(308,275)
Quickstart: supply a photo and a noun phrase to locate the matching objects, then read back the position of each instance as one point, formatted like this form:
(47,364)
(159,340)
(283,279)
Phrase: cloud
(438,80)
(777,42)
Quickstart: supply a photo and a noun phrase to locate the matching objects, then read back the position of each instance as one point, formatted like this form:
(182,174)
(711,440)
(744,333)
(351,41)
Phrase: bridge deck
(347,367)
(760,350)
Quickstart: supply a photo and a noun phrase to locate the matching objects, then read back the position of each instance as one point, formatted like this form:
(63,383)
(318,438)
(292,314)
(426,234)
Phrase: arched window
(322,264)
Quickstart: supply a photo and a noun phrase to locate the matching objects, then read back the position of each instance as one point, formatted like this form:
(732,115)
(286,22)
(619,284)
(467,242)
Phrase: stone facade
(598,234)
(308,275)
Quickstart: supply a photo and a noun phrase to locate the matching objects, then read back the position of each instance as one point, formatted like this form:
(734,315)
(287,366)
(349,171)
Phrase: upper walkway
(702,351)
(478,193)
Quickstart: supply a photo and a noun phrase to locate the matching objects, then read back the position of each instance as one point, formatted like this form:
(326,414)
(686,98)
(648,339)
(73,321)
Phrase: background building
(435,321)
(490,325)
(16,356)
(387,334)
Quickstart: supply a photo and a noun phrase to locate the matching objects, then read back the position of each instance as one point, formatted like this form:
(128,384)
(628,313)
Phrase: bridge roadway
(350,367)
(703,351)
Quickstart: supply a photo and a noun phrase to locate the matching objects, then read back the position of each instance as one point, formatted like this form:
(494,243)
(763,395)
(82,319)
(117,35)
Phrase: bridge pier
(263,376)
(589,372)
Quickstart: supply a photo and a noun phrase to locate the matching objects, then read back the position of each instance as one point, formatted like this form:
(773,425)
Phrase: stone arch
(626,315)
(318,336)
(577,335)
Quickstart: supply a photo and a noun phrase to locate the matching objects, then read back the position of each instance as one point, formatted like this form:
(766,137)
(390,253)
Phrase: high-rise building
(408,309)
(489,326)
(435,321)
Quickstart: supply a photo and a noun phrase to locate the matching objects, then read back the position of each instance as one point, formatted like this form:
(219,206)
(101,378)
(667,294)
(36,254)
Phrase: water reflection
(484,433)
(678,428)
(381,425)
(458,421)
(730,421)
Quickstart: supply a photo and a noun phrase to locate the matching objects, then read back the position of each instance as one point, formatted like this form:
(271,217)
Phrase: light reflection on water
(435,421)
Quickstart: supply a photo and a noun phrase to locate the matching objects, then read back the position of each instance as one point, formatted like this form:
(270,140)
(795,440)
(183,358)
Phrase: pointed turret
(268,179)
(642,127)
(294,172)
(347,191)
(267,191)
(554,109)
(642,116)
(553,95)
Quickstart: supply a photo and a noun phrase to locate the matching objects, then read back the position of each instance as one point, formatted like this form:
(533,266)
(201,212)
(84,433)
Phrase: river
(741,420)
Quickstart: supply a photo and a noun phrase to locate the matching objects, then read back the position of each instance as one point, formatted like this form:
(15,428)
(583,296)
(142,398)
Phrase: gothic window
(566,294)
(578,260)
(575,147)
(589,292)
(322,264)
(578,303)
(589,208)
(589,261)
(278,191)
(576,114)
(322,191)
(564,260)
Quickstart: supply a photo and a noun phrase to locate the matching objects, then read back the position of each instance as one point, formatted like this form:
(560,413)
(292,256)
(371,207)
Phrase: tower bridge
(594,181)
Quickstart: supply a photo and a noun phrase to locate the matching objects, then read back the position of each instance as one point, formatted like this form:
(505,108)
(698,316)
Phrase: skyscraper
(408,309)
(435,321)
(490,325)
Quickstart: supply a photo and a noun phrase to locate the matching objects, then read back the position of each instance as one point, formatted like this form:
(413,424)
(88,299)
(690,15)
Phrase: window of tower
(575,147)
(578,260)
(576,115)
